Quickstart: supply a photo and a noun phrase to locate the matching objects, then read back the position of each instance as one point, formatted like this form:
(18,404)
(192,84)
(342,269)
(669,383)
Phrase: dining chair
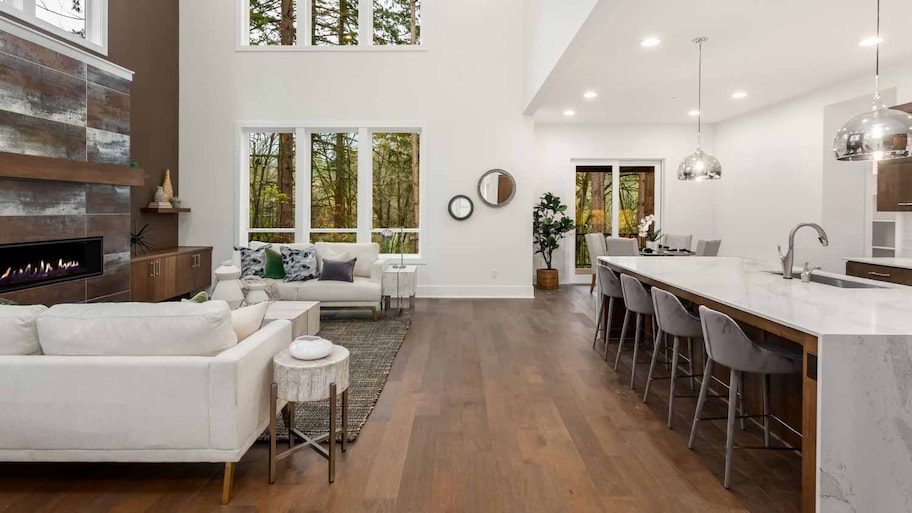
(708,247)
(595,242)
(621,246)
(678,241)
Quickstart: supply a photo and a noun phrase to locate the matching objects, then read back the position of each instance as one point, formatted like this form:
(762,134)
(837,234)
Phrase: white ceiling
(772,49)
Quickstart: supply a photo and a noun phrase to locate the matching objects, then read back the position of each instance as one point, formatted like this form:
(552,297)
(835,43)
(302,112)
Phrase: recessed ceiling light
(870,41)
(569,113)
(650,41)
(590,95)
(694,112)
(739,94)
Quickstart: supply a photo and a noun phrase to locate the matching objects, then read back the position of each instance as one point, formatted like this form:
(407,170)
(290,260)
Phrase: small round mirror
(461,207)
(496,187)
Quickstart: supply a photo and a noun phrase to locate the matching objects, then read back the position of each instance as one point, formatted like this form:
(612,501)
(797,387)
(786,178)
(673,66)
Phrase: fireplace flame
(40,270)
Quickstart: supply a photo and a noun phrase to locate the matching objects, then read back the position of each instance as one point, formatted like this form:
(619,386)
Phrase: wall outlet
(493,274)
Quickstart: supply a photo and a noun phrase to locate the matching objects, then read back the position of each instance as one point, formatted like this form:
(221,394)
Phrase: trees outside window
(397,22)
(396,190)
(334,186)
(272,187)
(77,21)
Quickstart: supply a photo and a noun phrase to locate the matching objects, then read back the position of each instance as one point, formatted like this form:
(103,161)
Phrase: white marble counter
(864,368)
(902,263)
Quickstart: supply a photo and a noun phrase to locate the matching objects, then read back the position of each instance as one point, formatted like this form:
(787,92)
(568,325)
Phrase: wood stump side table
(298,381)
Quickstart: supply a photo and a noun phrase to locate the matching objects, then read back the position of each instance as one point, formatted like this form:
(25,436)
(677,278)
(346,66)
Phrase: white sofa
(188,392)
(363,293)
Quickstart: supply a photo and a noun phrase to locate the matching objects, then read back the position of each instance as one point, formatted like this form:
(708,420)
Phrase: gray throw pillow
(338,270)
(253,261)
(299,264)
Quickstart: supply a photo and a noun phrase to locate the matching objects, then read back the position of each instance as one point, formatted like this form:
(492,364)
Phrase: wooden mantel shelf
(30,167)
(171,210)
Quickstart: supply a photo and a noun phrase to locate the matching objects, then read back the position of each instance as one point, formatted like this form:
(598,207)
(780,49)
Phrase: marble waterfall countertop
(751,286)
(902,263)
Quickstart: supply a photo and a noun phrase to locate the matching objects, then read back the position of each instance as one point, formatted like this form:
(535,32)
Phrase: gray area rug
(373,346)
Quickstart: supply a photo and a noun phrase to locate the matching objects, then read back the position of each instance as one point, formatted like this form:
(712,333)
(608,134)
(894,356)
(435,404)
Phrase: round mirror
(461,207)
(496,187)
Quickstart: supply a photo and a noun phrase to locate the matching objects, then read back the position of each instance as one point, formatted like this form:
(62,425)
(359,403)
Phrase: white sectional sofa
(363,293)
(133,382)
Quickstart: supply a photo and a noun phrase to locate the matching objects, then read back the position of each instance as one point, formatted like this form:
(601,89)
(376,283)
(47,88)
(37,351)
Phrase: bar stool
(673,319)
(727,344)
(610,285)
(639,302)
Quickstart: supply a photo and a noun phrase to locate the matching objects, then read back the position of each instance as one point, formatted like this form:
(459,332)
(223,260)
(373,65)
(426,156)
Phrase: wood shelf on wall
(171,210)
(31,167)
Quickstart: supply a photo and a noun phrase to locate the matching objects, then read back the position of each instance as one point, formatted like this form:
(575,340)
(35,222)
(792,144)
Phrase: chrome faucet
(788,259)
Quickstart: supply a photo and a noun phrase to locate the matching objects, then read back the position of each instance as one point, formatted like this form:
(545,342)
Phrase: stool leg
(652,363)
(606,335)
(674,376)
(690,355)
(273,395)
(766,409)
(291,407)
(730,428)
(704,389)
(741,409)
(332,432)
(636,349)
(617,359)
(598,323)
(344,420)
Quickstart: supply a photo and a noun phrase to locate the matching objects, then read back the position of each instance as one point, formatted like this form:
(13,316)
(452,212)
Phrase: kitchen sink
(835,282)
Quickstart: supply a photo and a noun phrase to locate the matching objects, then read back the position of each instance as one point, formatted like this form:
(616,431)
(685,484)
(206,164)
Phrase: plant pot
(547,279)
(652,244)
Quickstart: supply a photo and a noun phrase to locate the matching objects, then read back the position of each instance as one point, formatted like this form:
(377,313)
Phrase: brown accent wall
(143,37)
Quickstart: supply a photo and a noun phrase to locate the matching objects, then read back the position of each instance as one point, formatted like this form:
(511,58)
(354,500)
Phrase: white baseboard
(476,292)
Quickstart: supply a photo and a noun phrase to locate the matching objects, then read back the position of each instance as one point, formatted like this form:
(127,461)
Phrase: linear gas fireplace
(33,264)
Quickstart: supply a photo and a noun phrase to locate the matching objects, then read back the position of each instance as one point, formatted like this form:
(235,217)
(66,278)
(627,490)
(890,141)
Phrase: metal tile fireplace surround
(34,264)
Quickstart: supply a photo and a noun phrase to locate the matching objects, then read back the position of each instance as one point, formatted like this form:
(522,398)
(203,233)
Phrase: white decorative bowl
(310,348)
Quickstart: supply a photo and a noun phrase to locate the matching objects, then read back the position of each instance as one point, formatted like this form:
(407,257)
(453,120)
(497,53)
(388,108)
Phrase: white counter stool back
(610,285)
(673,319)
(727,344)
(638,301)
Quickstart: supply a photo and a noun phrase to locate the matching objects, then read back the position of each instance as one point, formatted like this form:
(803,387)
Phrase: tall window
(312,23)
(79,21)
(348,195)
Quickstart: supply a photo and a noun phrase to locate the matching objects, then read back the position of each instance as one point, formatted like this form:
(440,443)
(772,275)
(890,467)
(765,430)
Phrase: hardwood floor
(492,406)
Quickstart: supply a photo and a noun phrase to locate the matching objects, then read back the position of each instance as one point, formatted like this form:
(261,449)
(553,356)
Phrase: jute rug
(373,346)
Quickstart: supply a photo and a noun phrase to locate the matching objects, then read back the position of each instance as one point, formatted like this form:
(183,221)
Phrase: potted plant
(550,224)
(651,239)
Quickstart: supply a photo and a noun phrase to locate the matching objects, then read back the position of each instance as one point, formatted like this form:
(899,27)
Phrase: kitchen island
(857,385)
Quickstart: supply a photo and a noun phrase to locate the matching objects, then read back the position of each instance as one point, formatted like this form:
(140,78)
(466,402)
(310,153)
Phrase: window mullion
(305,8)
(365,194)
(365,22)
(243,188)
(303,183)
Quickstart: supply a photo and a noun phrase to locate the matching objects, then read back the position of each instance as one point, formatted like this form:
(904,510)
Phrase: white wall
(550,26)
(466,91)
(689,207)
(773,173)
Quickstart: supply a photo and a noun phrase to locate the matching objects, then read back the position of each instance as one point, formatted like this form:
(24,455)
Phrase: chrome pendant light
(879,134)
(699,165)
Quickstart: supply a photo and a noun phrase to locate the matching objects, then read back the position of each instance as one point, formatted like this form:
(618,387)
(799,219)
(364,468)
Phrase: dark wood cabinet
(885,273)
(166,274)
(894,186)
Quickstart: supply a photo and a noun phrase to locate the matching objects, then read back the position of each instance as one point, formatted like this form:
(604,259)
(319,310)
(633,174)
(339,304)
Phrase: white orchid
(645,224)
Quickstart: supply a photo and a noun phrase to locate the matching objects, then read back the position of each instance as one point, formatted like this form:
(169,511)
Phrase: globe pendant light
(879,134)
(699,165)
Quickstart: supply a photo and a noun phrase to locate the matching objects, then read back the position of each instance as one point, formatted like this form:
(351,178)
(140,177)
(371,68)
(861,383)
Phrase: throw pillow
(246,321)
(7,302)
(275,269)
(338,270)
(299,264)
(202,297)
(253,261)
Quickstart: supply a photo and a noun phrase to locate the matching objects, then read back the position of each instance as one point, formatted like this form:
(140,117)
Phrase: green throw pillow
(202,297)
(274,268)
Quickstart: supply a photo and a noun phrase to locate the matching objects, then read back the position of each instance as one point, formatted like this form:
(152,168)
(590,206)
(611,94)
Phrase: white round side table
(298,381)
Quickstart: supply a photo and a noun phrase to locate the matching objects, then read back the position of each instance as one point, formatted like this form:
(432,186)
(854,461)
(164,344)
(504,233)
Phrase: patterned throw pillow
(299,264)
(253,261)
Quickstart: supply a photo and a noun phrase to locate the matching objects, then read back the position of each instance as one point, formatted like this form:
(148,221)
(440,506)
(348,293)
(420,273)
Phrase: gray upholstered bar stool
(638,301)
(728,345)
(673,319)
(610,285)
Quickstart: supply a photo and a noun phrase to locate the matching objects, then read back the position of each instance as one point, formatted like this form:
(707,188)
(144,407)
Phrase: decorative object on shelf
(550,224)
(228,285)
(461,207)
(176,202)
(310,348)
(167,187)
(699,165)
(138,239)
(881,133)
(388,235)
(496,188)
(159,199)
(649,241)
(256,292)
